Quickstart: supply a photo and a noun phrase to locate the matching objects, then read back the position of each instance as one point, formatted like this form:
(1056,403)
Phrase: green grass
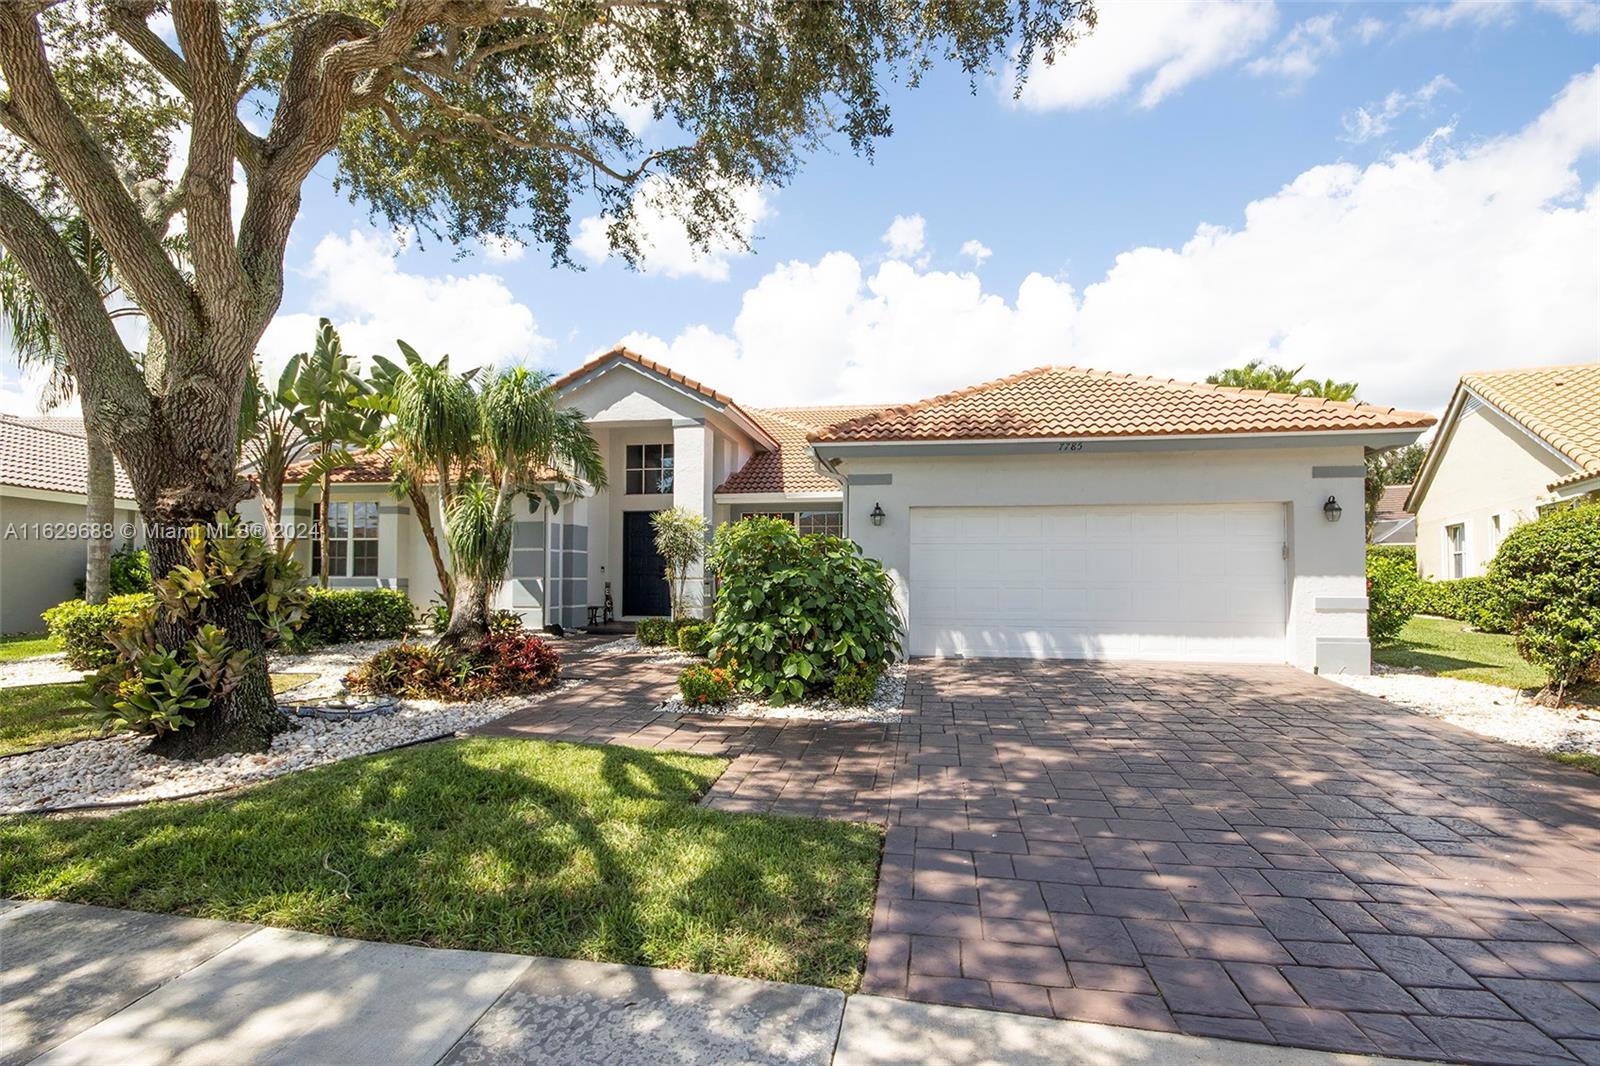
(1583,760)
(26,646)
(508,845)
(33,716)
(1446,647)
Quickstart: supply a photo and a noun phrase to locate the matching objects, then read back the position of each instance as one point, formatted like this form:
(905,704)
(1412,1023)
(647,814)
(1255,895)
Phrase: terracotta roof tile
(1559,404)
(789,468)
(1053,401)
(1391,504)
(368,468)
(48,454)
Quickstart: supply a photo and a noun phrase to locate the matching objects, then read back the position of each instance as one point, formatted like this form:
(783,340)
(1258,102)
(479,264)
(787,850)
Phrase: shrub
(84,630)
(508,663)
(1392,591)
(1467,599)
(701,685)
(505,621)
(338,616)
(855,684)
(692,637)
(656,631)
(793,611)
(1547,577)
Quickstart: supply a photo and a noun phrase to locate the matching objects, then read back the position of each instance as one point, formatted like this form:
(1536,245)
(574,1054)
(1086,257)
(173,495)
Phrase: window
(352,539)
(1456,545)
(648,469)
(828,522)
(1495,533)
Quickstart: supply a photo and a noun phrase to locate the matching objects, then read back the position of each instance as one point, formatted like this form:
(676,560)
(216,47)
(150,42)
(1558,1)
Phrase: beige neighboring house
(44,470)
(1511,443)
(1058,513)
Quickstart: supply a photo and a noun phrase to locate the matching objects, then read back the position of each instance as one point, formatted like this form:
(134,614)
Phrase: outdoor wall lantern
(877,515)
(1331,510)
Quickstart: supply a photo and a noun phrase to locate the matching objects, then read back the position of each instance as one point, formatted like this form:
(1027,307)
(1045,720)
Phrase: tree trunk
(324,548)
(469,617)
(272,508)
(421,508)
(99,514)
(247,718)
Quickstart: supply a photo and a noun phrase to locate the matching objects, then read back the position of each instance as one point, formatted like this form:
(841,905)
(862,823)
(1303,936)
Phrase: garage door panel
(1204,582)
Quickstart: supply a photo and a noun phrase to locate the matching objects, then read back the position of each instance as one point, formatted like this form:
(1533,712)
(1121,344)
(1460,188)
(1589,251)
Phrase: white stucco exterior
(38,565)
(1488,475)
(1325,593)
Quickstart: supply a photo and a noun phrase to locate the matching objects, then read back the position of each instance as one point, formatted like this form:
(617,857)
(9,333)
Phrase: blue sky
(1423,180)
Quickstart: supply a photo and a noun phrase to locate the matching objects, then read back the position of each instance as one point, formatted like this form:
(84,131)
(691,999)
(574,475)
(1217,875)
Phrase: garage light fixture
(877,514)
(1331,510)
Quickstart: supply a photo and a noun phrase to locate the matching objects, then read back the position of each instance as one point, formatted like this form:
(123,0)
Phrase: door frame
(625,612)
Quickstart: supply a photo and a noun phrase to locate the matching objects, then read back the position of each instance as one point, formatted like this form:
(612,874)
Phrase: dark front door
(644,572)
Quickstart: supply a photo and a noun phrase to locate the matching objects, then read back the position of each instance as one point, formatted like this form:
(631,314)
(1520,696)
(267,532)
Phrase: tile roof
(48,454)
(1053,401)
(789,468)
(1392,503)
(1558,404)
(650,364)
(368,468)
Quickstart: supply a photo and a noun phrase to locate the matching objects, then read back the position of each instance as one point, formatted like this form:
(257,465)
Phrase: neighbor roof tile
(1558,404)
(1054,401)
(49,454)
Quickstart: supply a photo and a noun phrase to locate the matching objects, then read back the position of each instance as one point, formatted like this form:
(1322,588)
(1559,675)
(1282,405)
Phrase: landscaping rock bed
(883,707)
(43,670)
(117,770)
(1488,710)
(659,653)
(345,708)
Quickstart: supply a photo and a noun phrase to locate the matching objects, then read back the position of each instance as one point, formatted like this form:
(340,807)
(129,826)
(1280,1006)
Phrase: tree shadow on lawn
(532,847)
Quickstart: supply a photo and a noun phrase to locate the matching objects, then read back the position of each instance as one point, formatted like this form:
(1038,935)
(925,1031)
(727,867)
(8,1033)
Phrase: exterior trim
(778,497)
(1326,604)
(1338,471)
(22,492)
(870,479)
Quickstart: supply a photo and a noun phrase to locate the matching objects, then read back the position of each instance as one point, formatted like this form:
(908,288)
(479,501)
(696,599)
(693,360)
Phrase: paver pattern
(1246,852)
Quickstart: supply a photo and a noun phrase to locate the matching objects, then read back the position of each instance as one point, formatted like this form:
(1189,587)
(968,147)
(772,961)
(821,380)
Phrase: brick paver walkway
(1247,852)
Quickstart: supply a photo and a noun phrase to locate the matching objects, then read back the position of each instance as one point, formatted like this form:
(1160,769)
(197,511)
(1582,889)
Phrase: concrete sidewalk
(90,985)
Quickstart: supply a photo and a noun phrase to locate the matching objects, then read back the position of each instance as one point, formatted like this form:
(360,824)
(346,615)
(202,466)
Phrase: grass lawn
(26,646)
(1583,760)
(33,716)
(282,683)
(1446,647)
(507,845)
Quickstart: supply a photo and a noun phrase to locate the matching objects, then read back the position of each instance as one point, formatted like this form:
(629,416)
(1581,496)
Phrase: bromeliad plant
(794,611)
(176,658)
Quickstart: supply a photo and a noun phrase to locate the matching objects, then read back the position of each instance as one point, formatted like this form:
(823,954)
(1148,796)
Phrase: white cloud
(1298,54)
(503,249)
(1369,29)
(978,251)
(372,301)
(1150,49)
(663,240)
(907,237)
(1400,275)
(1375,119)
(1580,15)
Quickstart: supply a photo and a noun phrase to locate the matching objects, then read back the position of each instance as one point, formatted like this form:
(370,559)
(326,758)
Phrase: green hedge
(1393,590)
(83,629)
(653,632)
(337,616)
(1474,600)
(1547,575)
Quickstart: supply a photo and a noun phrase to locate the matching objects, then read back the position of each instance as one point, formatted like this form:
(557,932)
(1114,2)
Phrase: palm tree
(1258,374)
(34,339)
(270,442)
(527,445)
(323,388)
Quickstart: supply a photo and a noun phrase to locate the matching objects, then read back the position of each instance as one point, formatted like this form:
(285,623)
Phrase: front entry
(644,572)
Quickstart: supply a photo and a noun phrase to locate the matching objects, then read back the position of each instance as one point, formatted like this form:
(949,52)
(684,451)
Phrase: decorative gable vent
(1472,404)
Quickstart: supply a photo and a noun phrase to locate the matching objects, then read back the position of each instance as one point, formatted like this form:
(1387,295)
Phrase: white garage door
(1194,582)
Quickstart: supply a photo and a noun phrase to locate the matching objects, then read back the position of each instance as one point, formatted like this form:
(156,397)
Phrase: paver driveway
(1238,851)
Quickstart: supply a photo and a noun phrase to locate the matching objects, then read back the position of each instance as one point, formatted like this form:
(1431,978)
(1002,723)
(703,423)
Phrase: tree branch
(54,131)
(171,66)
(209,175)
(114,397)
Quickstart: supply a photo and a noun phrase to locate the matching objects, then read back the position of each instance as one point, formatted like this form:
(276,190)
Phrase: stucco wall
(1488,467)
(38,573)
(1326,598)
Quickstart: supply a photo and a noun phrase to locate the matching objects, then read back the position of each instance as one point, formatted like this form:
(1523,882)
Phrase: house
(44,478)
(1511,443)
(1391,522)
(1060,512)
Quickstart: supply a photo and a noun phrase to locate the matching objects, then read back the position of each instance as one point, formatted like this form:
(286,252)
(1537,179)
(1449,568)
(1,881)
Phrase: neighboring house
(1055,513)
(1391,522)
(1511,443)
(44,471)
